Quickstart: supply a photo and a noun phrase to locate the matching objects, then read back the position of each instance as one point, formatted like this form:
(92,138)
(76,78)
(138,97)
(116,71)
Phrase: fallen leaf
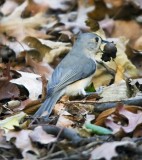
(114,3)
(10,122)
(9,24)
(3,143)
(57,48)
(136,3)
(32,8)
(31,82)
(59,108)
(64,121)
(121,65)
(8,90)
(8,7)
(137,62)
(76,20)
(108,151)
(56,4)
(39,135)
(100,120)
(138,44)
(48,49)
(110,93)
(129,29)
(134,119)
(22,141)
(41,68)
(12,104)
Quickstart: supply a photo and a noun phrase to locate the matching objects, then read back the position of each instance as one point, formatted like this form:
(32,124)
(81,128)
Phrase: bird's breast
(77,87)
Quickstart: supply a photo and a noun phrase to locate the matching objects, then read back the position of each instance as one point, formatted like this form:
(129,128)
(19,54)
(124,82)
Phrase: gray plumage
(77,65)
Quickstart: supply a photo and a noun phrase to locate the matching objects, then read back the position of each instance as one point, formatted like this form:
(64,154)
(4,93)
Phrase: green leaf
(90,88)
(97,129)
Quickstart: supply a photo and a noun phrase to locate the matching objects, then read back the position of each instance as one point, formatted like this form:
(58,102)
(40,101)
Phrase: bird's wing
(70,72)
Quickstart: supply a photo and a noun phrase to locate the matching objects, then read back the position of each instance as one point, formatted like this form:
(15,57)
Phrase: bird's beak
(104,41)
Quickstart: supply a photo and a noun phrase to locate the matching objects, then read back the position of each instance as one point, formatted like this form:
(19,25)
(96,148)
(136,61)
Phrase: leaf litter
(40,34)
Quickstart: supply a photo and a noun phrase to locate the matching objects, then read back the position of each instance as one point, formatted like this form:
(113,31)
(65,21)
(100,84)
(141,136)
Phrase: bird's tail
(48,104)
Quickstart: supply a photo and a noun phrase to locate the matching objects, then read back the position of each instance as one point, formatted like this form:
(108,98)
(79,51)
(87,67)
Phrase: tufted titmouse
(74,73)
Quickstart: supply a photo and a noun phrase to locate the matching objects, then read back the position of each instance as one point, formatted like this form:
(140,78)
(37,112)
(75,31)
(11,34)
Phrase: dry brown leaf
(102,117)
(29,106)
(124,67)
(121,64)
(57,48)
(64,121)
(8,90)
(100,120)
(9,24)
(59,108)
(107,25)
(110,93)
(48,49)
(32,8)
(129,29)
(134,119)
(56,4)
(24,104)
(137,62)
(34,33)
(17,46)
(115,3)
(77,19)
(99,12)
(33,42)
(138,44)
(40,68)
(136,3)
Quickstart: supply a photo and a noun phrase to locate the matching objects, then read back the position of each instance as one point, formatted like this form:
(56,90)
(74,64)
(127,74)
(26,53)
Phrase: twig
(51,150)
(52,155)
(109,70)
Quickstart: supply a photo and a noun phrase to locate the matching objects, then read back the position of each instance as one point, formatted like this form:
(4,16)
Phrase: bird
(74,73)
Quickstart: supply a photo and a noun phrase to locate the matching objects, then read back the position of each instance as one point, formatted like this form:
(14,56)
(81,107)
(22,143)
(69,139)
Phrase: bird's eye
(96,39)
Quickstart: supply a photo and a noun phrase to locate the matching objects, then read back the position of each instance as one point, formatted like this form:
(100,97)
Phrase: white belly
(78,87)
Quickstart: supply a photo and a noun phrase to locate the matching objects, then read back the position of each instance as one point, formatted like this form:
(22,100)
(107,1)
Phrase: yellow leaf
(10,122)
